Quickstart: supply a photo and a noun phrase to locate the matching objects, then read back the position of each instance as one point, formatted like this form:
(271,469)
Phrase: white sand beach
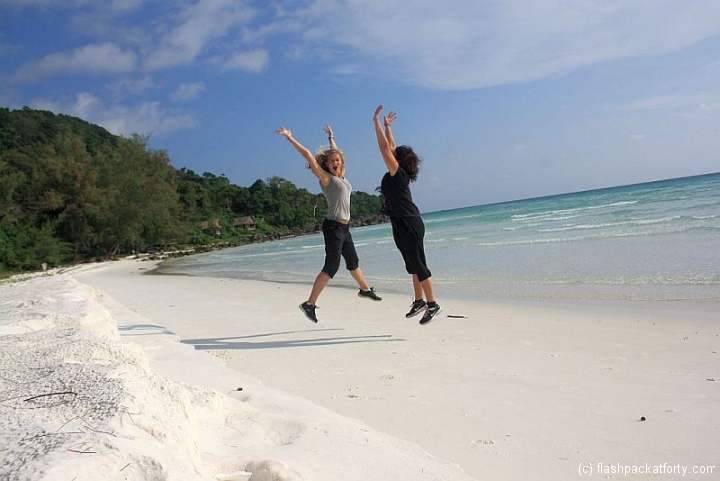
(111,374)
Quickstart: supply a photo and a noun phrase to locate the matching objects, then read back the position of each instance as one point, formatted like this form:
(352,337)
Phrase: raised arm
(388,120)
(321,174)
(388,153)
(331,137)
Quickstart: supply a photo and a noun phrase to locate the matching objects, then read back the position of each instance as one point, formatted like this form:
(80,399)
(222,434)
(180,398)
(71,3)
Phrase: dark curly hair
(408,160)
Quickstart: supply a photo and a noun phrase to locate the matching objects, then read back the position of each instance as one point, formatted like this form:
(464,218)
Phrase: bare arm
(388,154)
(323,176)
(388,120)
(331,137)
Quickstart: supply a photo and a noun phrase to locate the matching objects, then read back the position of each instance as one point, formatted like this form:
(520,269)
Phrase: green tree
(140,199)
(25,247)
(193,195)
(260,199)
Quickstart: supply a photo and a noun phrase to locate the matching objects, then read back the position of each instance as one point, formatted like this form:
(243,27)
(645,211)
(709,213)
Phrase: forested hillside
(71,191)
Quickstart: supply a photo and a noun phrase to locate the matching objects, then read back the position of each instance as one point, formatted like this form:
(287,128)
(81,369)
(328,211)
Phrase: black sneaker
(430,313)
(309,311)
(370,294)
(416,307)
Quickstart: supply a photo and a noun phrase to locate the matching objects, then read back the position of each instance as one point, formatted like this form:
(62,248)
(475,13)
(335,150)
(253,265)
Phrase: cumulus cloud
(131,85)
(196,27)
(188,91)
(125,120)
(254,61)
(147,117)
(459,44)
(103,58)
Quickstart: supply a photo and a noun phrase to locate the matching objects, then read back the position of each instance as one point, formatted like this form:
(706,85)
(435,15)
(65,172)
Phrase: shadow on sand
(143,330)
(255,341)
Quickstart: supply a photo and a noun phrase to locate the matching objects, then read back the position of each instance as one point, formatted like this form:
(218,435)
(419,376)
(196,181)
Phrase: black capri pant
(409,233)
(338,243)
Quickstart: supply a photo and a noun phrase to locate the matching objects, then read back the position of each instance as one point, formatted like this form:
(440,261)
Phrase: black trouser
(338,242)
(409,233)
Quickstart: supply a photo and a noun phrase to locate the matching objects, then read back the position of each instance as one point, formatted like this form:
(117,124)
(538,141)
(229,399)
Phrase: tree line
(70,191)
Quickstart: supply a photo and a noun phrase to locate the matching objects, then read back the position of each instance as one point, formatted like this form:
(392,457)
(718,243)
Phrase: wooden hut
(211,227)
(246,222)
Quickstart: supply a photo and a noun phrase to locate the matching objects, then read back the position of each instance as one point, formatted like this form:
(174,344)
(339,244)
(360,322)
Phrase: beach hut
(211,227)
(246,222)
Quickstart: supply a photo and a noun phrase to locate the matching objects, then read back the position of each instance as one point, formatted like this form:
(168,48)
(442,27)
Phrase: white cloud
(710,106)
(114,5)
(131,86)
(198,25)
(188,91)
(143,118)
(103,58)
(47,3)
(125,5)
(686,102)
(460,44)
(254,61)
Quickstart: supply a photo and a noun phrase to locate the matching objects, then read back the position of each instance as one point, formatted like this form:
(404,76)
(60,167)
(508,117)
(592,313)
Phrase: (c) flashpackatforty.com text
(589,469)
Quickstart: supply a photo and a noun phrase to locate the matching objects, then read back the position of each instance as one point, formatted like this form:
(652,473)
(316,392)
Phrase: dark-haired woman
(329,167)
(408,229)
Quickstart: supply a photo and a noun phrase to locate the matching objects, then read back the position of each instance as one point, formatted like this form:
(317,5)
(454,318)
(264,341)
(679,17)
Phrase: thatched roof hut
(246,222)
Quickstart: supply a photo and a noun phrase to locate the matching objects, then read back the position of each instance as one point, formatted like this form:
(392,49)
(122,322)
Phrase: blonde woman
(329,167)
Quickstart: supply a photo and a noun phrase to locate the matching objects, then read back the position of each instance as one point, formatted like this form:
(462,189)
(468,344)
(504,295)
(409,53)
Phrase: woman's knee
(352,264)
(423,274)
(331,268)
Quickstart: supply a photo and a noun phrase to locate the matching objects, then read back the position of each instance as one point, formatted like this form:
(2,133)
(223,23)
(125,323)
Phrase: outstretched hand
(284,131)
(389,119)
(377,111)
(328,130)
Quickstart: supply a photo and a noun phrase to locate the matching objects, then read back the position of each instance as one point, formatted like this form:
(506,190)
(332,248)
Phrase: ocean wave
(632,223)
(544,215)
(568,240)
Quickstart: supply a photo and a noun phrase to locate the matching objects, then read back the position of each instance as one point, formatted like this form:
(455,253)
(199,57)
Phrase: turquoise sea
(656,241)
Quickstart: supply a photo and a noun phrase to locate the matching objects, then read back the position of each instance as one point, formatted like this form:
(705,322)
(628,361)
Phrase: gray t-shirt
(337,193)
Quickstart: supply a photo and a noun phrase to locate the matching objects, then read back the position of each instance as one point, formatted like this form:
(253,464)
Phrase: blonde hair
(322,156)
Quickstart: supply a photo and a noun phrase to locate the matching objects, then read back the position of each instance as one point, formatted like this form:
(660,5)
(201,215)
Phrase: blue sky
(503,99)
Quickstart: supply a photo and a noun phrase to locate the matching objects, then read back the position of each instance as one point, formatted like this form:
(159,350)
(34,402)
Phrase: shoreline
(498,391)
(697,308)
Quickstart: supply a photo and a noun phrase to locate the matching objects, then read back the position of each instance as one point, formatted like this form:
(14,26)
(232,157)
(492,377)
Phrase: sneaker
(416,307)
(369,294)
(430,313)
(309,311)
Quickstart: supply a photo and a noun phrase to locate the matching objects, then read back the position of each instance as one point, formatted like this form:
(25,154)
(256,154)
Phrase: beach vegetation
(70,192)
